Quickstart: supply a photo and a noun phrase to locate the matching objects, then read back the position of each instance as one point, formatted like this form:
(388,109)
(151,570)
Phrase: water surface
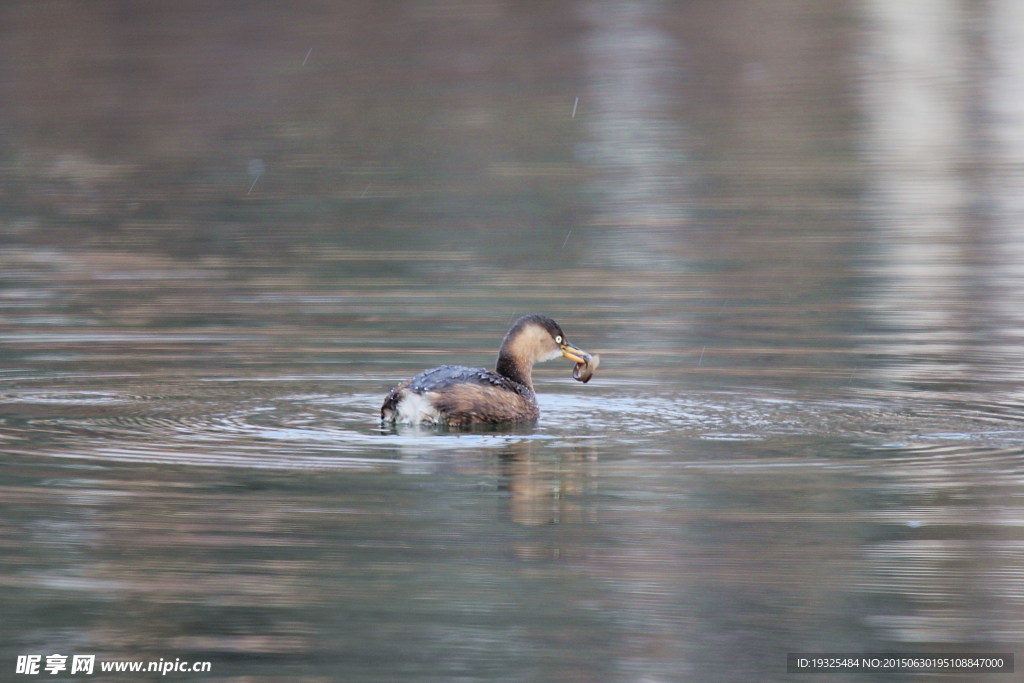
(226,233)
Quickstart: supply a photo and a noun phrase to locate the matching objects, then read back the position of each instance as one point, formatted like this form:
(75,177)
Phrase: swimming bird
(458,396)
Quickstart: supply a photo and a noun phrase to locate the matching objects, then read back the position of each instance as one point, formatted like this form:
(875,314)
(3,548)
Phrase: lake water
(794,233)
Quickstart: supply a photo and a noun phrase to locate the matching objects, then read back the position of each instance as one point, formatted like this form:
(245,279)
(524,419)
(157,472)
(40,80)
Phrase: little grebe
(458,396)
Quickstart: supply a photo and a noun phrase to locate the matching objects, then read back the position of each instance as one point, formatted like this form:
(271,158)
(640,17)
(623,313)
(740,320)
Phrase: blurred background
(794,232)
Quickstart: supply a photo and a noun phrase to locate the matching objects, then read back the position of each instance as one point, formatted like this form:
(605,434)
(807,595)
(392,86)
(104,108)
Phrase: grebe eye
(558,339)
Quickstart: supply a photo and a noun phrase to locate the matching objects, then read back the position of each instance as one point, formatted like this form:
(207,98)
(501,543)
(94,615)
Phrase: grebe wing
(446,376)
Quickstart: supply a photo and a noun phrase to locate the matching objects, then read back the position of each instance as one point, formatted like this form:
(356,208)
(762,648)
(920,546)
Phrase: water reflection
(938,171)
(636,144)
(543,492)
(792,233)
(929,560)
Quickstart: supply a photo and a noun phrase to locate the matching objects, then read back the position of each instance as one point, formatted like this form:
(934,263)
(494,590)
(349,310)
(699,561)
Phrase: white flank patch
(416,409)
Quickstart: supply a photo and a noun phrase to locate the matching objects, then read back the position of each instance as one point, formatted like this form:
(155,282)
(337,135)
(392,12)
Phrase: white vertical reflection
(917,126)
(944,140)
(1004,96)
(635,141)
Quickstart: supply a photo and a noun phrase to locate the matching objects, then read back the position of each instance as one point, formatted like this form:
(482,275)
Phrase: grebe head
(534,339)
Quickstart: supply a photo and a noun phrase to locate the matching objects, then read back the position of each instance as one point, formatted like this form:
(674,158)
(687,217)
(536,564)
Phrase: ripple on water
(265,424)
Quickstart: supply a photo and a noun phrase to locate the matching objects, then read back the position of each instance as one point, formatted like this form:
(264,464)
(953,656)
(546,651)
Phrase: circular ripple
(281,424)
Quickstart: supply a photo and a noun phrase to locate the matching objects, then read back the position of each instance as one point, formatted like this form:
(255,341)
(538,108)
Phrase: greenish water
(226,233)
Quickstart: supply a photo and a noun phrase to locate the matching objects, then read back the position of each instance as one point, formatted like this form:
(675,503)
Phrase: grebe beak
(575,353)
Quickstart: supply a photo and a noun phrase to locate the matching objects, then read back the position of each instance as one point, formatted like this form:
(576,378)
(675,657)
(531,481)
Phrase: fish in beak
(586,363)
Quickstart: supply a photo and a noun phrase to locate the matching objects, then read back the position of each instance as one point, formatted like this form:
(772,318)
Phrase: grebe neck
(509,366)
